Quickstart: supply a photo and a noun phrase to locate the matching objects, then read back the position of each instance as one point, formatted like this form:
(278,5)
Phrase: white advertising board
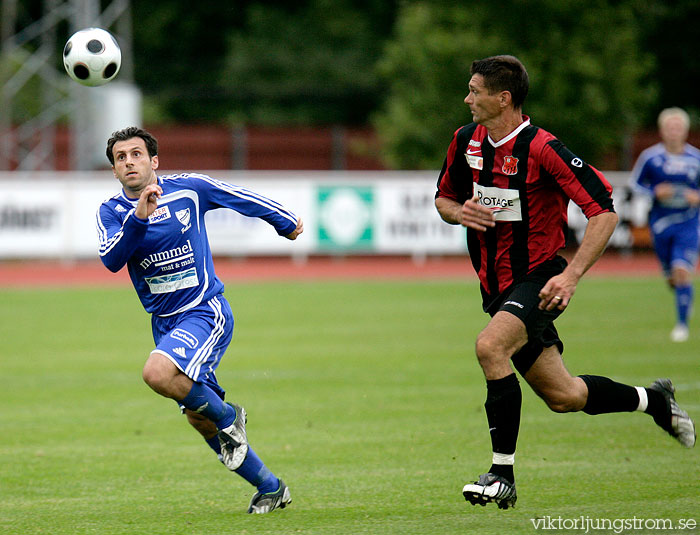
(52,215)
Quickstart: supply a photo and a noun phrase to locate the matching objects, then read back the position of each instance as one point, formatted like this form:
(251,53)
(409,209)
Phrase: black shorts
(522,300)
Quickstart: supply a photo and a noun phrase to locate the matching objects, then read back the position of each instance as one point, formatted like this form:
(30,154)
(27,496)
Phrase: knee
(154,376)
(487,350)
(680,277)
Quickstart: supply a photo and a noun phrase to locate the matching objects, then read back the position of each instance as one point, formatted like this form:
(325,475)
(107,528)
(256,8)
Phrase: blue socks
(257,474)
(684,300)
(203,400)
(252,470)
(214,444)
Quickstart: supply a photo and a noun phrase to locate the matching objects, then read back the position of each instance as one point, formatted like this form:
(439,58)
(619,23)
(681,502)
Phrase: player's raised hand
(300,228)
(477,216)
(148,201)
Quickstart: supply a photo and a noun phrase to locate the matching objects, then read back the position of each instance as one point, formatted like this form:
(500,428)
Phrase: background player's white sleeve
(118,239)
(220,194)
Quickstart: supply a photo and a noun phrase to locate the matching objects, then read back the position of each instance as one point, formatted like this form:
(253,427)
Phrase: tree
(669,32)
(273,62)
(179,48)
(587,73)
(306,64)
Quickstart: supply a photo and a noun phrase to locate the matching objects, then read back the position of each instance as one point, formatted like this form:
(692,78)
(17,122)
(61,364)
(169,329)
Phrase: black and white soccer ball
(92,57)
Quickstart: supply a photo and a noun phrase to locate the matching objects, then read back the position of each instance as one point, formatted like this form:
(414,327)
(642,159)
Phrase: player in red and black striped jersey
(526,179)
(509,183)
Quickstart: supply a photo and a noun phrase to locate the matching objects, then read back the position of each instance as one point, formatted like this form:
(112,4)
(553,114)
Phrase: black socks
(606,396)
(503,404)
(504,400)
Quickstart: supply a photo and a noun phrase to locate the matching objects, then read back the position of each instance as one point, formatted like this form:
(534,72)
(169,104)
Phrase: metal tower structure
(36,94)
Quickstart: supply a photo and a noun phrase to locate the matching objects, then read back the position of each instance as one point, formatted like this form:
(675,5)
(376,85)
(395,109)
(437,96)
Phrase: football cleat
(265,503)
(680,426)
(680,333)
(233,440)
(491,488)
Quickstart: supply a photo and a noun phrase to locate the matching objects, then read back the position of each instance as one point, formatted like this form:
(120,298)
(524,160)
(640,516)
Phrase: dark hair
(504,73)
(128,133)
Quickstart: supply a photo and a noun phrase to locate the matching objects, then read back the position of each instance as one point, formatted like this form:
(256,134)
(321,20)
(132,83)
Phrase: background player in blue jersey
(669,173)
(155,226)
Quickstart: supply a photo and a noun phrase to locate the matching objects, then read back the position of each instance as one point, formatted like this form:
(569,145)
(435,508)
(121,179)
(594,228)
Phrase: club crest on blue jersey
(183,216)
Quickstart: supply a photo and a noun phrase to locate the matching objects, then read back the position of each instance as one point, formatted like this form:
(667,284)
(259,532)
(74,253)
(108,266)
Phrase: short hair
(128,133)
(674,112)
(504,73)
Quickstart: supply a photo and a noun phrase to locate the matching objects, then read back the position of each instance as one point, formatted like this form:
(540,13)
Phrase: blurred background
(343,110)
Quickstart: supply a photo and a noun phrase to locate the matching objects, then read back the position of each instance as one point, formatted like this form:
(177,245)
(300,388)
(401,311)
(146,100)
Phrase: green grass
(365,397)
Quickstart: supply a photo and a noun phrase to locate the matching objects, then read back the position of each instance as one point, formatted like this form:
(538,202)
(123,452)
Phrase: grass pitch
(365,397)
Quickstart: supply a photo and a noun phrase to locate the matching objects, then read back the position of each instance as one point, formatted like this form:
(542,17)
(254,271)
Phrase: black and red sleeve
(455,181)
(581,182)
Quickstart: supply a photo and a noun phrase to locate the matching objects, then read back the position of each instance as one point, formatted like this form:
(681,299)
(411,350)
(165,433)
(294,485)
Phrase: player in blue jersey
(669,174)
(155,227)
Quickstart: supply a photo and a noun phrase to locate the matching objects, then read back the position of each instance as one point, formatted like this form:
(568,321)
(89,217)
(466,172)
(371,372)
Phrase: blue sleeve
(118,239)
(218,194)
(640,178)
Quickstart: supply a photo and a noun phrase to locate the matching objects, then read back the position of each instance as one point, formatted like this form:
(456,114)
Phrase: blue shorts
(196,340)
(677,246)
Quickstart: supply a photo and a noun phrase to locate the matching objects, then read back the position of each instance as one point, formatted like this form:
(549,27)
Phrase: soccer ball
(92,57)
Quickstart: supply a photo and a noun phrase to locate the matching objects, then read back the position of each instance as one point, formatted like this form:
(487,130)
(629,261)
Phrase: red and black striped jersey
(527,178)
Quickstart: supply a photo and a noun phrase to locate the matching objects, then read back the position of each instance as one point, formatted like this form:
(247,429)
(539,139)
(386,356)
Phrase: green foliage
(310,65)
(425,70)
(28,99)
(179,48)
(365,396)
(669,32)
(598,68)
(263,63)
(587,73)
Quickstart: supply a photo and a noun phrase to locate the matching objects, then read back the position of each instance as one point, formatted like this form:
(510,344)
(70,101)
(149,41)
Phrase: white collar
(521,126)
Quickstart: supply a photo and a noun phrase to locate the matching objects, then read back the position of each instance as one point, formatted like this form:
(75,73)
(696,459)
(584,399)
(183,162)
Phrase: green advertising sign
(346,217)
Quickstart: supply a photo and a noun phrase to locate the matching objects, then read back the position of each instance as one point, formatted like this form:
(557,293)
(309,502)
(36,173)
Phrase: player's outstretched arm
(300,228)
(558,291)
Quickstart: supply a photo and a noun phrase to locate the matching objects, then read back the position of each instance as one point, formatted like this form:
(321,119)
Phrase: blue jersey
(656,165)
(168,255)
